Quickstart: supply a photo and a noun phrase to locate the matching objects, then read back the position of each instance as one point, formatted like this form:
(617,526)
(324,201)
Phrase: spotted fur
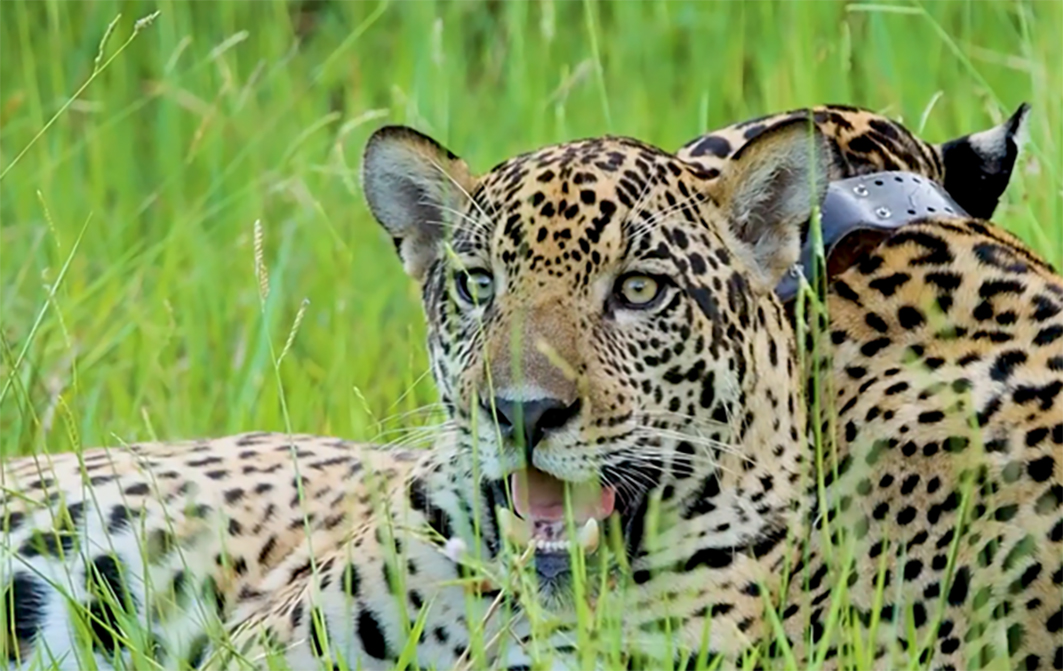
(946,358)
(947,345)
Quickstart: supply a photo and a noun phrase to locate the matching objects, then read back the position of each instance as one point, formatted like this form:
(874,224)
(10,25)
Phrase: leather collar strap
(879,203)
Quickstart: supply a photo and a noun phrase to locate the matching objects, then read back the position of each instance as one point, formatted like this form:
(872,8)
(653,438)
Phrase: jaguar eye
(638,291)
(475,286)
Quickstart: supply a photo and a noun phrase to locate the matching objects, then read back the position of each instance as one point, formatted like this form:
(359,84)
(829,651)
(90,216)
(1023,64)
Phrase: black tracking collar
(874,204)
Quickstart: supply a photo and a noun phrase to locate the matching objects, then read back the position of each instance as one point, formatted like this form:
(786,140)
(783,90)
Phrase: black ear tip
(799,124)
(393,132)
(404,134)
(1018,118)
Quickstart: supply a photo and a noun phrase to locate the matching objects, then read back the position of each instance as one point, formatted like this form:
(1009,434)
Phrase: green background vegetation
(147,186)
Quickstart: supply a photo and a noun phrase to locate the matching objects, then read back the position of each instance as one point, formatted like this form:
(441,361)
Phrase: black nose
(531,420)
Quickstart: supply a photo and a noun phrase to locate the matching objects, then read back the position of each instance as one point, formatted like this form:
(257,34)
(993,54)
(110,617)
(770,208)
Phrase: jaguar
(632,442)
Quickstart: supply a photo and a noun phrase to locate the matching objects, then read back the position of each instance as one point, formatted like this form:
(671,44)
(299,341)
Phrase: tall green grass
(145,188)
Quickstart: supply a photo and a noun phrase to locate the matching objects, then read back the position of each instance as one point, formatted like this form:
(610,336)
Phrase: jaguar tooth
(513,529)
(551,547)
(589,536)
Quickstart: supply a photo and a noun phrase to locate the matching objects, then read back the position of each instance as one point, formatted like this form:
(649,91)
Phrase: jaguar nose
(532,420)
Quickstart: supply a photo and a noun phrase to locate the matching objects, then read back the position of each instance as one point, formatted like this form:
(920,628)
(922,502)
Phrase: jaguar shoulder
(975,169)
(944,385)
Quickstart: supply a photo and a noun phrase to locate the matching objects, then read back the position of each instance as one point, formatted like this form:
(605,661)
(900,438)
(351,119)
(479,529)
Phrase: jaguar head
(603,329)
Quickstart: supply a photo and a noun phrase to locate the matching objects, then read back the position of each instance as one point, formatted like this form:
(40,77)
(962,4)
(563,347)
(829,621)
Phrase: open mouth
(538,518)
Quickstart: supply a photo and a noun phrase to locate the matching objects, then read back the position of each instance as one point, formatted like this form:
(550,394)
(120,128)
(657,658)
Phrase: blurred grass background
(146,187)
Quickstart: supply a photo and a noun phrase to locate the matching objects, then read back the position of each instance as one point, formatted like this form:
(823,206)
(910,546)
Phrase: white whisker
(417,435)
(705,422)
(639,202)
(463,191)
(647,226)
(421,411)
(697,440)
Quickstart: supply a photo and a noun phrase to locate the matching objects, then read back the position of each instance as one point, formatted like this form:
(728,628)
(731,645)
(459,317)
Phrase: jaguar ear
(415,189)
(978,166)
(770,191)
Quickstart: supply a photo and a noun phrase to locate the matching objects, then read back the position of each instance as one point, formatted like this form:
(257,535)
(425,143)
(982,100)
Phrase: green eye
(638,291)
(476,287)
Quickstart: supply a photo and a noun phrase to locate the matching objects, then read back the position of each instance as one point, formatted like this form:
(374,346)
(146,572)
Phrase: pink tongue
(542,497)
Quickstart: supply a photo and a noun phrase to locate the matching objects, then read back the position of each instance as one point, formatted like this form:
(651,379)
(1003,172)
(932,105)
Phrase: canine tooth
(513,529)
(589,536)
